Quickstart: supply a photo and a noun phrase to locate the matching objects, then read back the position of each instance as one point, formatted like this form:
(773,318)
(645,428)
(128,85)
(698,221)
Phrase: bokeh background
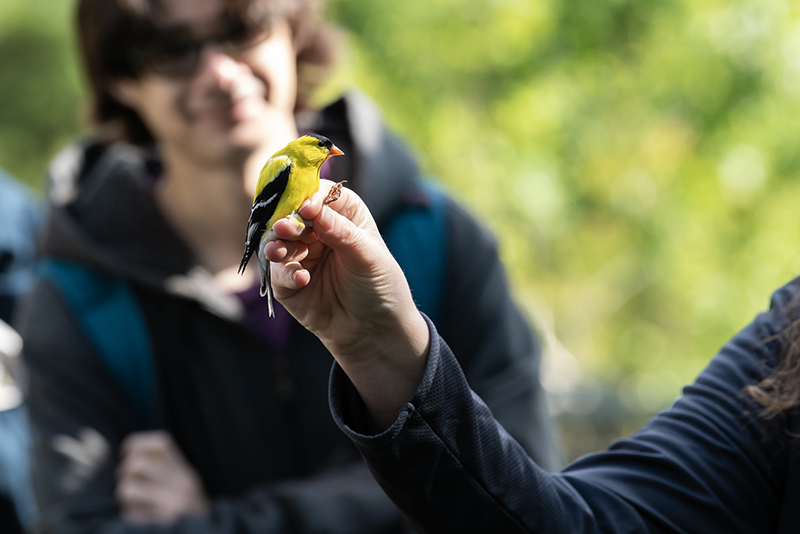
(638,161)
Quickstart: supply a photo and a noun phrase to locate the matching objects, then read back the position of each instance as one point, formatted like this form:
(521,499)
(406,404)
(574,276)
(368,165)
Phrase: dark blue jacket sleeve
(708,464)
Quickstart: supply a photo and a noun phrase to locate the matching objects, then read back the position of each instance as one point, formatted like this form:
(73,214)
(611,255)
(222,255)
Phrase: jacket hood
(102,212)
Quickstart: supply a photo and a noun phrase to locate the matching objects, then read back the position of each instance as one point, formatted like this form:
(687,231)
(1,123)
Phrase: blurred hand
(342,283)
(155,484)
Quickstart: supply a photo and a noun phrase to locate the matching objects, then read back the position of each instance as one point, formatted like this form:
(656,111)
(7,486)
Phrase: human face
(231,104)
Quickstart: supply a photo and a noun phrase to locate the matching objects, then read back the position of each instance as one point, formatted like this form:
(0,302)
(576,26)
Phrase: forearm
(451,468)
(391,374)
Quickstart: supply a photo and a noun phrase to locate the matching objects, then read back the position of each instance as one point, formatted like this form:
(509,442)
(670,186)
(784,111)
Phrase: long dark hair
(780,392)
(107,29)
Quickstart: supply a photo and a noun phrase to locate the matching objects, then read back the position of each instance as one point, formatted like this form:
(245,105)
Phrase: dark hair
(108,29)
(780,392)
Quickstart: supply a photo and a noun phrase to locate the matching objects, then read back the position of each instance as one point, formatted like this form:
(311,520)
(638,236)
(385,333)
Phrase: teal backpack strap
(107,310)
(417,237)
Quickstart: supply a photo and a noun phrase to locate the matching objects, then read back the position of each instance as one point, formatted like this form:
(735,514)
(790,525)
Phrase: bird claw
(333,194)
(299,221)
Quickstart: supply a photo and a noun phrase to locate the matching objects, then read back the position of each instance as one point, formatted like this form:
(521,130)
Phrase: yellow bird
(287,179)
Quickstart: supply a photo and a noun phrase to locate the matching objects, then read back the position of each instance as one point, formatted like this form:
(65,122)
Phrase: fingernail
(326,219)
(305,203)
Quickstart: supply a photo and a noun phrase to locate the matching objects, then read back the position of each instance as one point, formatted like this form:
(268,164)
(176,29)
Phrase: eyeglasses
(177,53)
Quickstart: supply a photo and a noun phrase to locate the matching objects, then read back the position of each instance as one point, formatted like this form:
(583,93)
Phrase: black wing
(263,208)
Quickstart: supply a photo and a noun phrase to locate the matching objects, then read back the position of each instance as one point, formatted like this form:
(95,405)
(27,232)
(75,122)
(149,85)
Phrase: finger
(151,441)
(285,251)
(360,249)
(289,276)
(139,510)
(309,237)
(289,230)
(133,494)
(315,251)
(140,467)
(350,205)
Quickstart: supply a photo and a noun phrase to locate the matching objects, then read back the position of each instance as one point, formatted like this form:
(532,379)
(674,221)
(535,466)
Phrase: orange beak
(335,152)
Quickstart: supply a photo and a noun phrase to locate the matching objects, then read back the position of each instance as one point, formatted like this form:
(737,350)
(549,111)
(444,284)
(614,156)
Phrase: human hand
(341,282)
(155,483)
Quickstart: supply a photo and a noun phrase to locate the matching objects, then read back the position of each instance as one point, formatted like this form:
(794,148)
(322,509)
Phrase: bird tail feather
(245,259)
(266,285)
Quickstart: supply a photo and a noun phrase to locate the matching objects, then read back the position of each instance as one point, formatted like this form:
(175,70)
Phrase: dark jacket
(709,464)
(250,418)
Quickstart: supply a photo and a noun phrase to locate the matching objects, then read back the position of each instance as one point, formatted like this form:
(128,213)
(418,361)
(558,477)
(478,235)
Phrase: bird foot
(334,193)
(299,221)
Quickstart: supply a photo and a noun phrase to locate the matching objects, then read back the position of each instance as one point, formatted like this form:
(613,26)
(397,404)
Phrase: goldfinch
(287,179)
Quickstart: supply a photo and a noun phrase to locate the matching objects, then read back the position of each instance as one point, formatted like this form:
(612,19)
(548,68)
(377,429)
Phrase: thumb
(355,246)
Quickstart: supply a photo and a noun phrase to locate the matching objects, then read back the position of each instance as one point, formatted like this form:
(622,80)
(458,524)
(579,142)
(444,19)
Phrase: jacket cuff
(353,418)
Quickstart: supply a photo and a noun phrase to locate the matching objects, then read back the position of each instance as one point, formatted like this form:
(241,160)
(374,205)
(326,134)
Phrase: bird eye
(321,144)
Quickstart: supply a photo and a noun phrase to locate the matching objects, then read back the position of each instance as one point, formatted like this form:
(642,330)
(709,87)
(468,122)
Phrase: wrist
(387,369)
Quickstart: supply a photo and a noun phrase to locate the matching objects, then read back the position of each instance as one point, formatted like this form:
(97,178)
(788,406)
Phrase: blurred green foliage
(40,96)
(638,160)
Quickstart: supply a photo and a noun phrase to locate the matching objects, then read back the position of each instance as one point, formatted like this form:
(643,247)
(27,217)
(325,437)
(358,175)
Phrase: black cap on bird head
(324,142)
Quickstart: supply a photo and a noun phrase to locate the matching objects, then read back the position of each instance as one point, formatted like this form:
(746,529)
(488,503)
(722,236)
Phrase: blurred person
(160,391)
(723,458)
(17,503)
(20,222)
